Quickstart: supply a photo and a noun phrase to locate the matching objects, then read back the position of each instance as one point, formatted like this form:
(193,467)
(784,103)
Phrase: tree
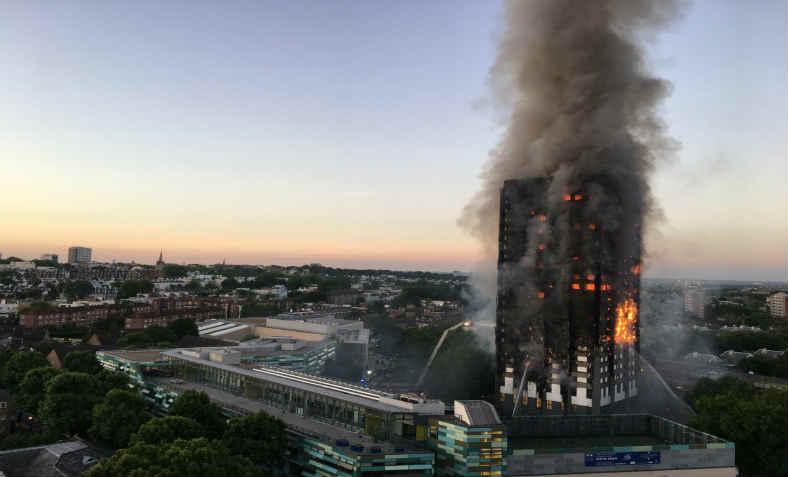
(130,288)
(118,417)
(81,362)
(196,405)
(175,271)
(77,289)
(756,424)
(109,380)
(230,284)
(183,327)
(193,286)
(19,364)
(194,457)
(68,405)
(259,436)
(31,390)
(166,429)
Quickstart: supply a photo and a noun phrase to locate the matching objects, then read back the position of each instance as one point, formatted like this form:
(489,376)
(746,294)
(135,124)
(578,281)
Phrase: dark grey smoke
(581,108)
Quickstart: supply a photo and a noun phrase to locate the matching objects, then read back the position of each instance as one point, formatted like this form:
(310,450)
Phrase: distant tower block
(567,333)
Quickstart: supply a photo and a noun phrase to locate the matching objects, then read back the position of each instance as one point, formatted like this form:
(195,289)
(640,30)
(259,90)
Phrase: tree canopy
(167,429)
(130,288)
(77,289)
(259,436)
(183,327)
(754,419)
(81,362)
(197,406)
(118,416)
(31,391)
(195,458)
(18,364)
(68,405)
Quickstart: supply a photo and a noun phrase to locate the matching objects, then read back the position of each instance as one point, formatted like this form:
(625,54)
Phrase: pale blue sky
(347,132)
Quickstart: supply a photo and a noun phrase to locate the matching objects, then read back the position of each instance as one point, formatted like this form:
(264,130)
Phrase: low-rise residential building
(82,316)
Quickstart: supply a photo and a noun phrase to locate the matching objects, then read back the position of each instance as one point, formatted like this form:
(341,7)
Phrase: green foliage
(259,309)
(45,263)
(230,284)
(749,341)
(193,286)
(112,324)
(77,289)
(756,423)
(327,285)
(31,391)
(412,294)
(175,271)
(118,417)
(266,279)
(463,369)
(777,367)
(70,397)
(130,288)
(37,306)
(194,457)
(196,405)
(166,429)
(81,362)
(183,327)
(109,380)
(18,365)
(69,330)
(726,385)
(18,440)
(148,337)
(259,436)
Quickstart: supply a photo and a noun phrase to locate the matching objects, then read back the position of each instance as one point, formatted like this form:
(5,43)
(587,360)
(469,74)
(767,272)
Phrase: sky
(349,133)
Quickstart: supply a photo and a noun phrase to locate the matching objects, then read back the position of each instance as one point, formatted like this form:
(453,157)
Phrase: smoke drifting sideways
(581,110)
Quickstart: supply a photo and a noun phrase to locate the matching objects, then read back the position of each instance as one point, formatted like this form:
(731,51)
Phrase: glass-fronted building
(355,408)
(471,443)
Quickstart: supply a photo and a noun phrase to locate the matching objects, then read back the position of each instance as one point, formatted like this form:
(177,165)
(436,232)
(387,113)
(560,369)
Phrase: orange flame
(541,246)
(636,269)
(575,286)
(542,218)
(590,286)
(567,197)
(592,226)
(626,317)
(540,294)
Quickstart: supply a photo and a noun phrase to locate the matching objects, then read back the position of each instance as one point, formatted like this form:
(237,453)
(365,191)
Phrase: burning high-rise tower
(566,194)
(568,283)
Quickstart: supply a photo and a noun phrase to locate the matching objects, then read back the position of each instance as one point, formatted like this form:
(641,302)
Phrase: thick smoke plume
(581,107)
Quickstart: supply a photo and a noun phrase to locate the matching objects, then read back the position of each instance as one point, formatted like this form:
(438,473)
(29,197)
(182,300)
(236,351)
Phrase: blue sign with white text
(621,458)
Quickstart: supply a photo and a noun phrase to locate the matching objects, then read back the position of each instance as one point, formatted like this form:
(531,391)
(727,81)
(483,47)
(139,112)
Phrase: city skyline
(248,141)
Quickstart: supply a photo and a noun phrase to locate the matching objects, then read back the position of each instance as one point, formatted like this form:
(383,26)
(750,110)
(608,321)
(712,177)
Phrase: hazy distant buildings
(79,255)
(777,304)
(694,300)
(52,257)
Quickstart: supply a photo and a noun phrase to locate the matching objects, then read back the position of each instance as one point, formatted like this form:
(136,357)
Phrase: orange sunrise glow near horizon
(251,134)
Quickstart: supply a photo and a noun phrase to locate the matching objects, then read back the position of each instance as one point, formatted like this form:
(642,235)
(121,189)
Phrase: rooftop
(328,387)
(309,427)
(137,356)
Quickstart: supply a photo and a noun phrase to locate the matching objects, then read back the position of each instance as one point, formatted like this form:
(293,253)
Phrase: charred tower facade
(567,333)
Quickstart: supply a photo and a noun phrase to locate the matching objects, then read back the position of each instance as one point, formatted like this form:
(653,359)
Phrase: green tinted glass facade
(467,451)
